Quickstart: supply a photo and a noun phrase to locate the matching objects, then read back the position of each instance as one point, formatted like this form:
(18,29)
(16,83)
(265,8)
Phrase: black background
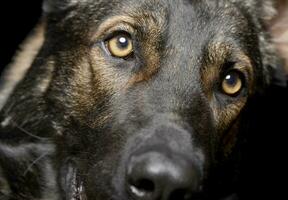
(17,18)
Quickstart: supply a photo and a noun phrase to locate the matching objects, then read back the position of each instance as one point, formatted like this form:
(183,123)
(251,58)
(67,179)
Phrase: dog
(138,99)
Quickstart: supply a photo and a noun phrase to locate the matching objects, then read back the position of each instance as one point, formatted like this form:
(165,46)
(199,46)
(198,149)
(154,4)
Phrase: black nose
(159,176)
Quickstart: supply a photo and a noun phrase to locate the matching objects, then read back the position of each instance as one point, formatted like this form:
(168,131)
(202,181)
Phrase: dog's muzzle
(165,166)
(159,175)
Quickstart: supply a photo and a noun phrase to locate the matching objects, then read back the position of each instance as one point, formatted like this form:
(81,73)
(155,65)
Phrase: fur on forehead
(57,5)
(264,9)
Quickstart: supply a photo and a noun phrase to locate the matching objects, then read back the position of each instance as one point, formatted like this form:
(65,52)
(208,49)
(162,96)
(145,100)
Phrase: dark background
(17,18)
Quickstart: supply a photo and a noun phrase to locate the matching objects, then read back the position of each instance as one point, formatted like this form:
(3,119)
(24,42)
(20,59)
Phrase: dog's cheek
(227,125)
(99,182)
(95,85)
(225,115)
(79,93)
(229,139)
(26,171)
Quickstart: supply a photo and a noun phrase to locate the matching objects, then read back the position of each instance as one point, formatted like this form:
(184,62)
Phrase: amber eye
(120,45)
(232,83)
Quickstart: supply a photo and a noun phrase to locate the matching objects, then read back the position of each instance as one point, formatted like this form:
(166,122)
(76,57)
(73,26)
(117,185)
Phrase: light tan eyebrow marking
(111,22)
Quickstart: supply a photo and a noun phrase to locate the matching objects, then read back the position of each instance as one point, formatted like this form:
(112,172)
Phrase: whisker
(34,162)
(27,132)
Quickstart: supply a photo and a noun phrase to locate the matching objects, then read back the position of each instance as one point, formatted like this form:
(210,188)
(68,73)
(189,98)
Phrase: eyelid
(109,35)
(245,70)
(117,23)
(113,31)
(242,65)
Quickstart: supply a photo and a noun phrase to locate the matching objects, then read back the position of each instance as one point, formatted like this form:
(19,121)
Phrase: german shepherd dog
(138,99)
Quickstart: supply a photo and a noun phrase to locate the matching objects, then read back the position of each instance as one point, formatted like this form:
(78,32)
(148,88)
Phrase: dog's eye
(232,83)
(120,45)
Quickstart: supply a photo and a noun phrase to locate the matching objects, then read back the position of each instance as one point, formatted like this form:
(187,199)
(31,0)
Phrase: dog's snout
(156,175)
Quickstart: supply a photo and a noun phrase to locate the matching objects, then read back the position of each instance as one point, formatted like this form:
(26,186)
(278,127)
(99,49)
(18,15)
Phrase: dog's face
(144,98)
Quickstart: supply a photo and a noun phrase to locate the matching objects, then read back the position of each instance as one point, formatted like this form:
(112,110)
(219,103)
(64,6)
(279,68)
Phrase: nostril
(145,185)
(142,187)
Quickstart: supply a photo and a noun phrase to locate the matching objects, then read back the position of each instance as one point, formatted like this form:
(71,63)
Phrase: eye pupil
(231,79)
(122,42)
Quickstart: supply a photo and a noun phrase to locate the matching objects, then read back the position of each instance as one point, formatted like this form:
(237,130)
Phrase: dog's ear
(58,5)
(272,17)
(278,27)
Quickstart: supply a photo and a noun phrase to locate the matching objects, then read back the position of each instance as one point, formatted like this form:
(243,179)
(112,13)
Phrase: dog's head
(145,99)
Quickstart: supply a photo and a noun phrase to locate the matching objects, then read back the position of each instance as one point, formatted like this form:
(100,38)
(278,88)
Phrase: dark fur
(94,111)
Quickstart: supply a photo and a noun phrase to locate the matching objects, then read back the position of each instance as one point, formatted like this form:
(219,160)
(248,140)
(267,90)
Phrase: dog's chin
(72,183)
(77,189)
